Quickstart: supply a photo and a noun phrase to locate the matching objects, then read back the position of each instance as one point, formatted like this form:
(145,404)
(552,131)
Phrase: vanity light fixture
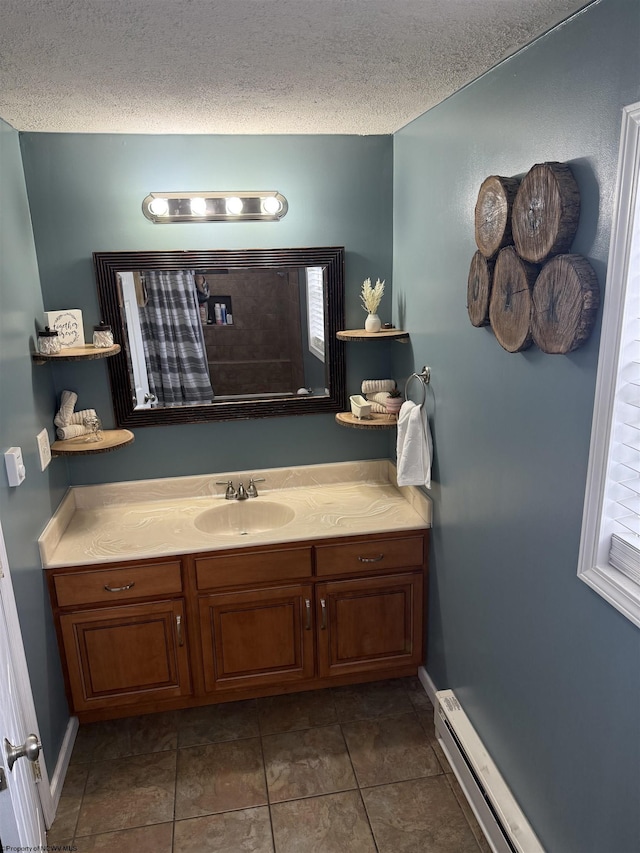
(269,206)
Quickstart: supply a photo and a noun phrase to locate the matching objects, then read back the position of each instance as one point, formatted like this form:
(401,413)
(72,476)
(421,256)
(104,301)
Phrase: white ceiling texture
(250,66)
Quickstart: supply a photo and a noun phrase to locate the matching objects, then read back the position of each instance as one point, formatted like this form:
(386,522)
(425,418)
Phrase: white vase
(372,323)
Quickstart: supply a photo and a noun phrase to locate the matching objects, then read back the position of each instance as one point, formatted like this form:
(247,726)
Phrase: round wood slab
(566,297)
(510,305)
(374,421)
(545,212)
(479,289)
(493,213)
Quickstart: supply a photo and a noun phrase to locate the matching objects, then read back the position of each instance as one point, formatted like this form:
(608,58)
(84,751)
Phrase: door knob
(30,749)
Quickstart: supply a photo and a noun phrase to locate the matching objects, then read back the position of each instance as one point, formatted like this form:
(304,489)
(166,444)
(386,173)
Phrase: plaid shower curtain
(173,340)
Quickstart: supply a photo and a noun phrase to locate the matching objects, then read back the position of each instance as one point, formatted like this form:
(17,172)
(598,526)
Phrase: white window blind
(609,559)
(315,310)
(622,500)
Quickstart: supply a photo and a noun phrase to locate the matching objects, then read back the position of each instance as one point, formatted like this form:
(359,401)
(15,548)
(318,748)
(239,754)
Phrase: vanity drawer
(256,567)
(369,556)
(118,584)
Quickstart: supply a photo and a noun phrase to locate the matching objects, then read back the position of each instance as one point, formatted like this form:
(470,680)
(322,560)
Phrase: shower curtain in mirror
(173,340)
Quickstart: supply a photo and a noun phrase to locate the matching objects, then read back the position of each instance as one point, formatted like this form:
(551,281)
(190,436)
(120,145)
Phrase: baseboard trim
(62,764)
(428,684)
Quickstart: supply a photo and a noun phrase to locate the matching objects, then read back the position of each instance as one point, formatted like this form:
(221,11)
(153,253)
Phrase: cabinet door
(257,637)
(118,656)
(369,624)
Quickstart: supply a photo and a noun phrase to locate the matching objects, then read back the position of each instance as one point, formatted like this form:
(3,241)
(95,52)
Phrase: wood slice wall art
(493,213)
(479,289)
(510,305)
(566,298)
(545,212)
(534,290)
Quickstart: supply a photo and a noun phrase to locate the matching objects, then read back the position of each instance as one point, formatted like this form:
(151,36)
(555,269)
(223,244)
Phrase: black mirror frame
(108,264)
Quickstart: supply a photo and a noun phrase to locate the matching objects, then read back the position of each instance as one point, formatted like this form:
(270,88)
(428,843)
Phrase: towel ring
(425,378)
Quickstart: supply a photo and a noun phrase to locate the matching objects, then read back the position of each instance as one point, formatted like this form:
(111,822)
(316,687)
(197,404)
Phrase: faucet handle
(252,492)
(230,492)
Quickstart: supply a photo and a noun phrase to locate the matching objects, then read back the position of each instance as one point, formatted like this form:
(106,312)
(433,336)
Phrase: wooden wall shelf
(112,439)
(362,335)
(86,352)
(374,421)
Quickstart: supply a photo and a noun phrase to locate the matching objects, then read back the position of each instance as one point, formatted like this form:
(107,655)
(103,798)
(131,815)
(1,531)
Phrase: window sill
(616,588)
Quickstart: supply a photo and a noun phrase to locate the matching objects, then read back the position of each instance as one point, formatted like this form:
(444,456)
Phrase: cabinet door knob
(371,559)
(119,588)
(323,607)
(179,630)
(307,607)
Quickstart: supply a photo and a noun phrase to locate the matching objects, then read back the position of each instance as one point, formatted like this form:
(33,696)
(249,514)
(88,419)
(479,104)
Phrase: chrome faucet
(242,494)
(252,492)
(230,493)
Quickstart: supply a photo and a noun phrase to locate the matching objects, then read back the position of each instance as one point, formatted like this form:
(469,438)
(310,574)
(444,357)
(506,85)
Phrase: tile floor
(342,770)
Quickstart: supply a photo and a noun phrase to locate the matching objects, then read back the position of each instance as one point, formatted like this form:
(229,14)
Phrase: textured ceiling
(250,66)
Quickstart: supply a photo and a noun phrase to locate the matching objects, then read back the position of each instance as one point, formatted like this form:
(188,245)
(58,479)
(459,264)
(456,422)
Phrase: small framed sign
(68,324)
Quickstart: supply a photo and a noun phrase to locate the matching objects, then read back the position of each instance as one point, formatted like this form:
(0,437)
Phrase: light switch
(15,466)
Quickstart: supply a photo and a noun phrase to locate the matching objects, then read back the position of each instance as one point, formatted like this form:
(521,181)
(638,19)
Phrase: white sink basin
(241,518)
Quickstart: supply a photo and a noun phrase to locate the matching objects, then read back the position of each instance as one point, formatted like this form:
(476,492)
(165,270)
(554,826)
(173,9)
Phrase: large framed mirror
(224,333)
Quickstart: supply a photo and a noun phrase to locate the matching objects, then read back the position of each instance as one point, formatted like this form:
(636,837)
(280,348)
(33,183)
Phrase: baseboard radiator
(501,819)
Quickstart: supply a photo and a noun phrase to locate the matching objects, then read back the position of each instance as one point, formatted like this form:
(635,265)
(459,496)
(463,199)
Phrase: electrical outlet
(44,449)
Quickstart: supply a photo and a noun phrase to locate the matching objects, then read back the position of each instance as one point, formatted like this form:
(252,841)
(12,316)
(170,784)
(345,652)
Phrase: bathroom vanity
(329,589)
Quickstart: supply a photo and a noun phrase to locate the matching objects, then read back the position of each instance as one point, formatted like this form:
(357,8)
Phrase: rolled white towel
(371,386)
(379,397)
(71,431)
(377,407)
(65,412)
(79,417)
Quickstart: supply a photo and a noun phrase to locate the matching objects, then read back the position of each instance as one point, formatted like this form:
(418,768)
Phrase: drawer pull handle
(307,607)
(119,588)
(371,559)
(323,607)
(179,630)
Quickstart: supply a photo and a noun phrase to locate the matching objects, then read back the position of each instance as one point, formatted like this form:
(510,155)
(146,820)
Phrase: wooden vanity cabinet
(240,623)
(122,634)
(372,621)
(369,624)
(260,635)
(257,637)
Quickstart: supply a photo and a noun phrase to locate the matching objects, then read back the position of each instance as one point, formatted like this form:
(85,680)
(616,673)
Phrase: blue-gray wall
(85,193)
(547,670)
(26,401)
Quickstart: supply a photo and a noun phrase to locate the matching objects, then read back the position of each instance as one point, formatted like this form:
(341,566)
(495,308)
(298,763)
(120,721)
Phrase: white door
(21,814)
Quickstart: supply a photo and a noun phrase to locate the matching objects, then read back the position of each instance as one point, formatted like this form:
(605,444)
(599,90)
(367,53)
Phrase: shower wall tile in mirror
(262,346)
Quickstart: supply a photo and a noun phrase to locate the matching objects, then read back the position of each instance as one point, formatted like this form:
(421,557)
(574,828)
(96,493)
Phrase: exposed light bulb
(271,204)
(234,205)
(198,206)
(159,206)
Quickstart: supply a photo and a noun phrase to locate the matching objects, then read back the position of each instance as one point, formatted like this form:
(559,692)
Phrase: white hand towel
(414,448)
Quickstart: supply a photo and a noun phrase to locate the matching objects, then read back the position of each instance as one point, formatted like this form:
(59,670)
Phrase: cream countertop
(155,518)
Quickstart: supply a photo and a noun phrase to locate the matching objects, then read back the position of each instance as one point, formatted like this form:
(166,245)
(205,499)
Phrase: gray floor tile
(335,823)
(219,777)
(389,749)
(307,763)
(248,830)
(418,816)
